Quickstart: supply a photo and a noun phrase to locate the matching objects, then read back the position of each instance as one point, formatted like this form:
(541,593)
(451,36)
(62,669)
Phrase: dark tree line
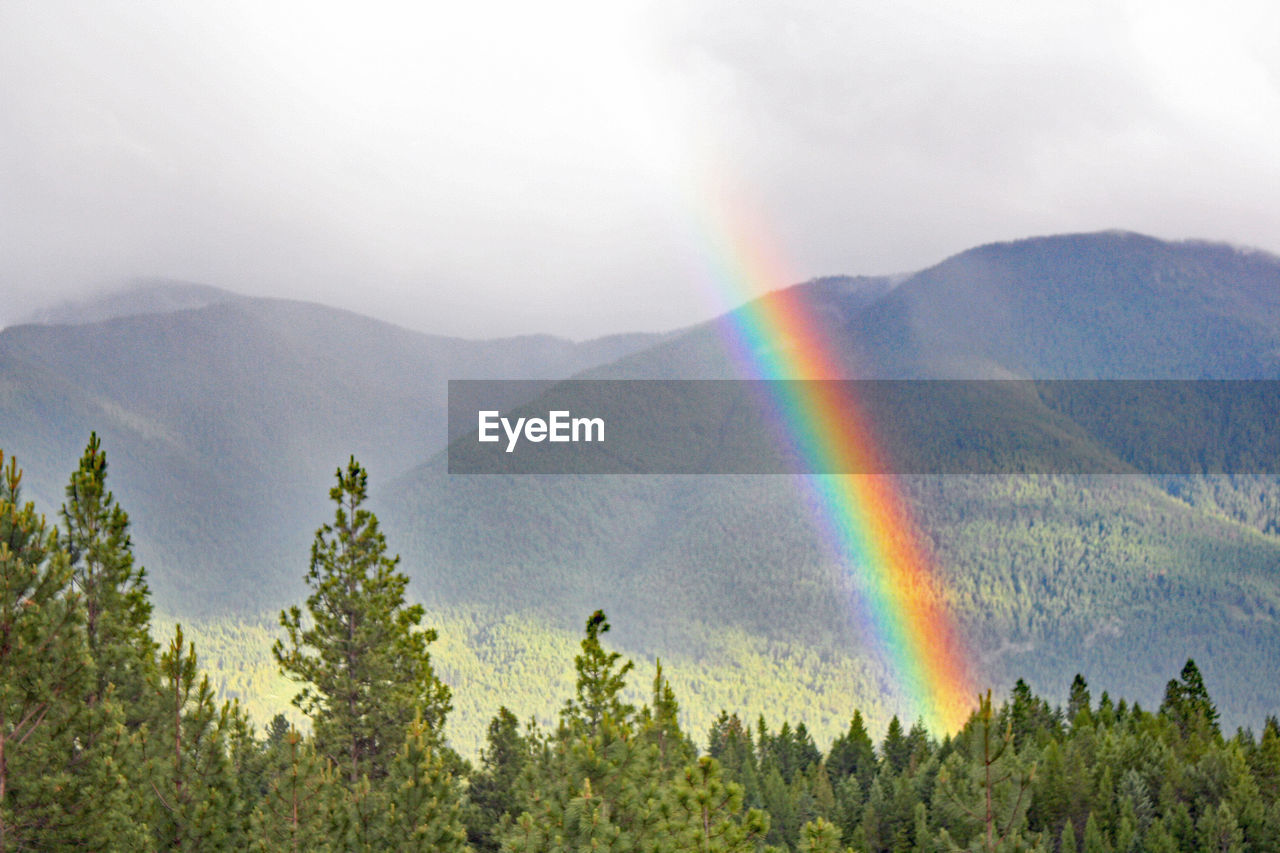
(109,742)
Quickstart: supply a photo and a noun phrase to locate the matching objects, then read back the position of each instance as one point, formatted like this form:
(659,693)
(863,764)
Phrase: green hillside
(224,423)
(1047,575)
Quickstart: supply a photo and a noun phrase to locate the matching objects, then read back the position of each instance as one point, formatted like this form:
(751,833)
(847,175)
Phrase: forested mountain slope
(225,421)
(1049,575)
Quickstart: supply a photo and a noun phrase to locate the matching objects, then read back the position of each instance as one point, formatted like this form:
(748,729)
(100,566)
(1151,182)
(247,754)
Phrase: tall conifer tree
(296,813)
(360,655)
(598,785)
(44,669)
(116,598)
(600,681)
(195,799)
(493,788)
(425,800)
(107,769)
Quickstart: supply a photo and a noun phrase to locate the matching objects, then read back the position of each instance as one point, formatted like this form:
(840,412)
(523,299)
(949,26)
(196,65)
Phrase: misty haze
(245,248)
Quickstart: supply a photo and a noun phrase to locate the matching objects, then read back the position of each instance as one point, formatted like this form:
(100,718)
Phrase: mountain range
(224,418)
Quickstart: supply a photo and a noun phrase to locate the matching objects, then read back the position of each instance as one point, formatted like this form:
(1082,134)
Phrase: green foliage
(730,743)
(195,795)
(44,675)
(478,650)
(589,789)
(492,793)
(895,749)
(114,592)
(118,699)
(659,724)
(600,681)
(1067,844)
(852,763)
(181,771)
(701,812)
(1030,718)
(424,802)
(819,836)
(1130,747)
(595,783)
(1187,704)
(985,784)
(361,656)
(296,812)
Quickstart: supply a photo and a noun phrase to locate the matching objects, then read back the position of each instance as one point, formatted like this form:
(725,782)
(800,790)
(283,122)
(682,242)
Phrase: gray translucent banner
(828,427)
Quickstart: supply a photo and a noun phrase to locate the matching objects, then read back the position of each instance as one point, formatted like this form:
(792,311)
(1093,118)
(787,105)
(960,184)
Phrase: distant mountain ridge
(223,423)
(1051,577)
(135,298)
(1114,305)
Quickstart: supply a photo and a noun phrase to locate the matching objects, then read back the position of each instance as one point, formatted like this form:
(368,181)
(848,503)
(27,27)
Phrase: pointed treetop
(600,679)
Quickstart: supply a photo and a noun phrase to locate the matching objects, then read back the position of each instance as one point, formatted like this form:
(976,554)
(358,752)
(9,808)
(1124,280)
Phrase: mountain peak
(131,299)
(1110,304)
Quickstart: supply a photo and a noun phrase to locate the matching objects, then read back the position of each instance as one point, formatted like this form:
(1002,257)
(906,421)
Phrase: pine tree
(106,767)
(874,826)
(1126,830)
(824,796)
(593,791)
(599,683)
(1266,759)
(849,807)
(922,746)
(990,786)
(361,656)
(896,749)
(1067,844)
(360,818)
(1219,831)
(730,742)
(659,725)
(923,838)
(424,799)
(1062,791)
(1159,839)
(775,796)
(1030,715)
(1079,701)
(195,802)
(493,786)
(804,752)
(702,812)
(1134,792)
(853,754)
(819,836)
(1187,703)
(597,784)
(115,592)
(297,811)
(44,671)
(1095,841)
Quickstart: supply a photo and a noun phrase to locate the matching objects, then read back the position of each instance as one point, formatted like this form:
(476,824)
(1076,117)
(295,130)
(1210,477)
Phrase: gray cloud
(522,168)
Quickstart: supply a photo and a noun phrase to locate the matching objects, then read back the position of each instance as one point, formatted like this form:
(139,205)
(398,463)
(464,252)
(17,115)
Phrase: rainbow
(868,528)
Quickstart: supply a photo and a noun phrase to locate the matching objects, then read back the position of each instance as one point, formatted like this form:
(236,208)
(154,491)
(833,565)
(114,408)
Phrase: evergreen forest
(110,740)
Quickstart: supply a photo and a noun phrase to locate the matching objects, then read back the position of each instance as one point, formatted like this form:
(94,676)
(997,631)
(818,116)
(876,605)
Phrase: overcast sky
(561,165)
